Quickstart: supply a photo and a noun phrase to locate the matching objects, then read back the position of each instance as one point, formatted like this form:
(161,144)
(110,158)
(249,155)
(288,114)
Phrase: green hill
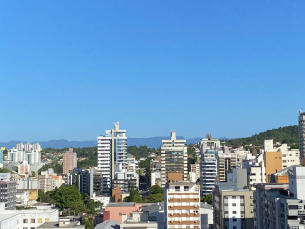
(286,134)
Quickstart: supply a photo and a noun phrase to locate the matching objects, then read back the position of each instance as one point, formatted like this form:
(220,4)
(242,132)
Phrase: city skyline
(68,71)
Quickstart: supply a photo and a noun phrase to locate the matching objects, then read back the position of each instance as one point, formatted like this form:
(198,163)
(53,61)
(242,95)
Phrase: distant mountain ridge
(153,142)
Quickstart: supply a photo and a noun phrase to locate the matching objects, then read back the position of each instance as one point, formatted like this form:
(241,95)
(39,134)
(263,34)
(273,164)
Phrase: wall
(273,163)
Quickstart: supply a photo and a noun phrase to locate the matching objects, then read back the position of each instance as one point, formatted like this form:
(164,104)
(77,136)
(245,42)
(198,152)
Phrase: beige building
(69,161)
(173,158)
(225,163)
(182,205)
(233,209)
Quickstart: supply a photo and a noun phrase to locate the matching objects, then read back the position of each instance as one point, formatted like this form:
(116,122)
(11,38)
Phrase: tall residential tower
(302,136)
(173,158)
(112,150)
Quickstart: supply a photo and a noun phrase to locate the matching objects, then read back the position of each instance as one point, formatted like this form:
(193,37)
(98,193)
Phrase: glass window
(39,220)
(25,220)
(32,220)
(47,220)
(186,188)
(177,188)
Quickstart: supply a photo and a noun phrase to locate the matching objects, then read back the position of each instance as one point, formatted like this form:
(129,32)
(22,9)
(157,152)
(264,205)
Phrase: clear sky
(71,69)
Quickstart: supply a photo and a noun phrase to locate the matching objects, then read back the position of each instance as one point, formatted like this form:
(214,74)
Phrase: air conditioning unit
(179,221)
(179,213)
(172,221)
(195,221)
(187,213)
(172,214)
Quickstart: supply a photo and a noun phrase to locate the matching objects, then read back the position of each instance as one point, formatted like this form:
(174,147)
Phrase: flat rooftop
(121,204)
(56,225)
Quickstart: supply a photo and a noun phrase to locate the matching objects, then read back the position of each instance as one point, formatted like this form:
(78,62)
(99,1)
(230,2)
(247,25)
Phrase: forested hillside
(287,134)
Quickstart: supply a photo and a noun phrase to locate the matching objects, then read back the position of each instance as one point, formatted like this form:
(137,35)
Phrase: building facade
(69,161)
(173,157)
(29,153)
(182,205)
(112,150)
(302,137)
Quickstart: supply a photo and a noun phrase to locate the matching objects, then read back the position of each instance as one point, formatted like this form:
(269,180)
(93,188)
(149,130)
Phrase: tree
(154,198)
(156,189)
(133,196)
(78,207)
(207,198)
(65,196)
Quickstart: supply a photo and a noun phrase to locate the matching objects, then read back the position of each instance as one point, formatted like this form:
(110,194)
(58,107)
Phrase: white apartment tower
(28,152)
(182,205)
(173,157)
(112,150)
(208,164)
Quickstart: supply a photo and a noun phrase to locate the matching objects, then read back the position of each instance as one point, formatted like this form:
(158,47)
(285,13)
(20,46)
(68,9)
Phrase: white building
(156,178)
(173,157)
(30,218)
(112,150)
(29,153)
(281,205)
(182,205)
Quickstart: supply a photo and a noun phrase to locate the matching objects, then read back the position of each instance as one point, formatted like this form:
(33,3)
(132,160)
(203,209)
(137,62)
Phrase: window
(234,212)
(226,212)
(32,220)
(47,220)
(177,188)
(293,206)
(234,219)
(242,204)
(32,227)
(234,204)
(186,188)
(25,220)
(39,220)
(233,197)
(24,228)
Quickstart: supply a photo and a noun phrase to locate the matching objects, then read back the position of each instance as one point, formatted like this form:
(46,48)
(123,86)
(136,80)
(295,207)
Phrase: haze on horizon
(70,71)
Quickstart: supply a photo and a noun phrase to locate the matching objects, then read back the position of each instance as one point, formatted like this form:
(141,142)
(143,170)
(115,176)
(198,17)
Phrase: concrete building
(209,148)
(69,161)
(29,153)
(112,150)
(156,178)
(62,223)
(116,211)
(84,181)
(195,168)
(8,192)
(173,157)
(281,205)
(302,137)
(233,209)
(182,205)
(225,163)
(30,218)
(31,186)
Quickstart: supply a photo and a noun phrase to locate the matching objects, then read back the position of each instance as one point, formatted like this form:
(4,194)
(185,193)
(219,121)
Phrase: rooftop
(121,204)
(56,225)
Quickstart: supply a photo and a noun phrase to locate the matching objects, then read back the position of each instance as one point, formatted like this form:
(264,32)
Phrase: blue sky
(71,69)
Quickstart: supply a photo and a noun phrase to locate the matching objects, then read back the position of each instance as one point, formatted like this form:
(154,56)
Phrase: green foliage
(142,151)
(45,197)
(87,163)
(145,164)
(5,152)
(133,196)
(88,221)
(207,198)
(154,198)
(65,196)
(156,189)
(58,168)
(4,170)
(287,134)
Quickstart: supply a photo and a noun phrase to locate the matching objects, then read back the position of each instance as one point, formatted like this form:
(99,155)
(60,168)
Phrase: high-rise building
(69,161)
(8,192)
(112,150)
(173,158)
(29,153)
(182,205)
(209,148)
(302,137)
